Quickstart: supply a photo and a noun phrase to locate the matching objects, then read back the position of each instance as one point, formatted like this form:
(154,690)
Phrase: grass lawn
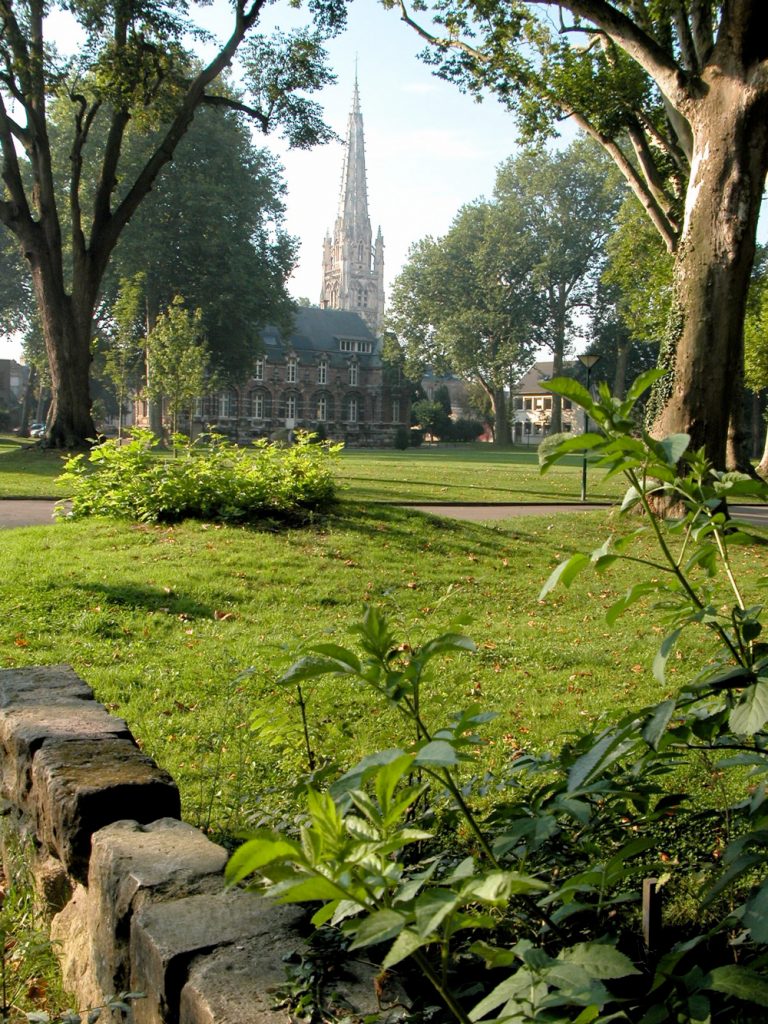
(468,473)
(163,621)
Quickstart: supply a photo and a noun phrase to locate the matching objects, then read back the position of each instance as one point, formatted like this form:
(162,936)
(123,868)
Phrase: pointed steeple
(353,272)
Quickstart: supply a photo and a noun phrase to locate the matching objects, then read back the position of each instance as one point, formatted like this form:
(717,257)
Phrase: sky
(429,148)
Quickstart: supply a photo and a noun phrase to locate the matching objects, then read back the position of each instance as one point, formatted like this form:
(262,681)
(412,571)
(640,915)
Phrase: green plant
(398,852)
(214,481)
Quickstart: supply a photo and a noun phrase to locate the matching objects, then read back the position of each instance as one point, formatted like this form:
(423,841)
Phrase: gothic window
(227,405)
(322,371)
(352,410)
(360,252)
(322,407)
(353,375)
(257,405)
(292,370)
(258,370)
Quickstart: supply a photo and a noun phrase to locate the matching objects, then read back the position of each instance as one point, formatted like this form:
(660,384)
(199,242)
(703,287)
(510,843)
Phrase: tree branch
(642,47)
(211,100)
(104,240)
(702,30)
(637,183)
(653,179)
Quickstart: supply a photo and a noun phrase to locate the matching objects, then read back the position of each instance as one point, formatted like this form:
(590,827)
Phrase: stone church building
(327,375)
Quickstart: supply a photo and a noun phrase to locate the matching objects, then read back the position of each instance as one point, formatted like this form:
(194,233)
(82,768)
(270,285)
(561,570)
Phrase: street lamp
(588,360)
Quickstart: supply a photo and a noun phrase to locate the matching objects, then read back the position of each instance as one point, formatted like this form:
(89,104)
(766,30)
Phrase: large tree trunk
(558,348)
(701,397)
(66,323)
(502,433)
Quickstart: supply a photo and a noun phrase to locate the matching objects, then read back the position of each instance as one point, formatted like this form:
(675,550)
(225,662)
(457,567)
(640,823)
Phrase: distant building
(431,382)
(327,377)
(353,264)
(532,406)
(13,381)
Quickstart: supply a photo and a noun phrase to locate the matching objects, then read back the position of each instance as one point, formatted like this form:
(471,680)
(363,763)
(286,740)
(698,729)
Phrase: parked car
(37,430)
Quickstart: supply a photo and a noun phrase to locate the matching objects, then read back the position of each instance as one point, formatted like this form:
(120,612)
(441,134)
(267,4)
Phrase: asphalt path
(39,511)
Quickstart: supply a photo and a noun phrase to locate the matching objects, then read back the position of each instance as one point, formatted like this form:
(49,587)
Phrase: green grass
(471,473)
(28,471)
(163,622)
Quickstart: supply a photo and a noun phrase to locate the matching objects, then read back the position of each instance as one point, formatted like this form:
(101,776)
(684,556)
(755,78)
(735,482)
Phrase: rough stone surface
(132,865)
(24,730)
(70,930)
(79,786)
(239,984)
(166,937)
(53,884)
(41,685)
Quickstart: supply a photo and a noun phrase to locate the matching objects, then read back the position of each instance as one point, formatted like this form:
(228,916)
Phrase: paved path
(39,511)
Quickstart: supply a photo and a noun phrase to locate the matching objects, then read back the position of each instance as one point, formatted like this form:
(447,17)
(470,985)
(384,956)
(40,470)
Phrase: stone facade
(326,377)
(353,264)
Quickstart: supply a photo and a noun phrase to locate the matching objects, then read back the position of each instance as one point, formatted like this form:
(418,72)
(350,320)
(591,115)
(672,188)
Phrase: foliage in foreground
(218,481)
(544,890)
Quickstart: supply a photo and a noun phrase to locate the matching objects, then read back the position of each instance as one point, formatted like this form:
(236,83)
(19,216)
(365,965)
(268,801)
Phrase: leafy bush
(464,429)
(402,438)
(519,898)
(215,481)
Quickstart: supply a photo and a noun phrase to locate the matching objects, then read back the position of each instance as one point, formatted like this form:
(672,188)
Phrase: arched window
(290,407)
(352,410)
(257,405)
(322,408)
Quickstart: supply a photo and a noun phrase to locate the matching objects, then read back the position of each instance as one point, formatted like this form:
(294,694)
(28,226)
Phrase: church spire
(353,269)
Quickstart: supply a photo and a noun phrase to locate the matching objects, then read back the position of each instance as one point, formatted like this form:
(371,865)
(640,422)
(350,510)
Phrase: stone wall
(137,896)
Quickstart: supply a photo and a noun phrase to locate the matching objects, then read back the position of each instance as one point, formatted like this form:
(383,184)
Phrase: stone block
(41,685)
(132,865)
(167,937)
(240,983)
(24,730)
(80,786)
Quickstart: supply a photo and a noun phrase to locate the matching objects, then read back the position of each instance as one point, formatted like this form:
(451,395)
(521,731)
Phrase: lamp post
(588,360)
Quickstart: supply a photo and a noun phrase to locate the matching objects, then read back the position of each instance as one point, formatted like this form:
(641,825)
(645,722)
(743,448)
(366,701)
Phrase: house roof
(531,381)
(319,331)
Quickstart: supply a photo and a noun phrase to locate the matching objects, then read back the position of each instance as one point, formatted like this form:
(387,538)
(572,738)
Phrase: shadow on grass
(153,599)
(413,530)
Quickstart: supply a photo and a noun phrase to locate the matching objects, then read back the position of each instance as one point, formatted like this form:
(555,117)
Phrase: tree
(177,359)
(212,231)
(125,343)
(566,202)
(432,418)
(677,95)
(462,303)
(133,68)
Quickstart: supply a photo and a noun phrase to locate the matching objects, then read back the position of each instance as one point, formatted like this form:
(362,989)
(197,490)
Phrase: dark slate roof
(318,331)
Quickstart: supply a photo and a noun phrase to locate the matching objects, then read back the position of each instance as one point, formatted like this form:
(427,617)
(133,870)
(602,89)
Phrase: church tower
(353,264)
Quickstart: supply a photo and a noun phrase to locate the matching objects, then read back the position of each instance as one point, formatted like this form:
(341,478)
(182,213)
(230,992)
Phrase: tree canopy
(134,68)
(462,303)
(677,94)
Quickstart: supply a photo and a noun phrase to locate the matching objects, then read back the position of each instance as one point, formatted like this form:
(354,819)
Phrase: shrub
(402,438)
(216,481)
(464,429)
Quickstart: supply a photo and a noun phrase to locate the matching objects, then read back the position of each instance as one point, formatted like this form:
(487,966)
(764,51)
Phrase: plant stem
(443,991)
